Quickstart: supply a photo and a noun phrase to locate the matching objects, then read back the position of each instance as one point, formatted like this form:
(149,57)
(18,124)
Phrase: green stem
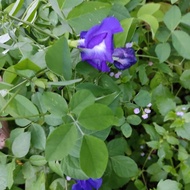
(147,56)
(76,124)
(5,106)
(147,158)
(33,26)
(20,117)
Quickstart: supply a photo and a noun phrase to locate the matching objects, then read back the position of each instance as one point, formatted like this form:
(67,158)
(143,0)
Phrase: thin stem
(178,91)
(147,56)
(5,106)
(144,180)
(147,158)
(33,26)
(20,117)
(76,124)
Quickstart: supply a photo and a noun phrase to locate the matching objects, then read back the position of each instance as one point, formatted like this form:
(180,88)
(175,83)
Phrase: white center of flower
(100,47)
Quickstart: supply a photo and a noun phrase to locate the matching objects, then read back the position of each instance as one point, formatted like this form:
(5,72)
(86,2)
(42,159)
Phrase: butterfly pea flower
(89,184)
(96,44)
(124,57)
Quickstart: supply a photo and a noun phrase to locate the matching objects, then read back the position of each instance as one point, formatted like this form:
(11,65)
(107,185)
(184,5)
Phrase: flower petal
(124,58)
(77,187)
(97,43)
(95,183)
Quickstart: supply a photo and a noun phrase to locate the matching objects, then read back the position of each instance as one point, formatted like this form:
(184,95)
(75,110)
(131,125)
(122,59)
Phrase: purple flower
(96,44)
(88,184)
(124,57)
(136,110)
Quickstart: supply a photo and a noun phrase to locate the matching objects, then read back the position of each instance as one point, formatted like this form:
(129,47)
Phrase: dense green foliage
(68,119)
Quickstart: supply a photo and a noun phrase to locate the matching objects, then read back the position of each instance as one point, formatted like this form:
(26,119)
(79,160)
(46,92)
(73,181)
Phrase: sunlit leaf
(21,144)
(93,156)
(58,58)
(124,166)
(180,41)
(172,18)
(96,117)
(60,142)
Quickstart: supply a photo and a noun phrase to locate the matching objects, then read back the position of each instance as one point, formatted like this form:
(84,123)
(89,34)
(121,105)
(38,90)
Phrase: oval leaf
(163,51)
(55,103)
(142,98)
(21,144)
(172,18)
(151,21)
(181,41)
(93,156)
(149,8)
(91,12)
(124,166)
(60,142)
(58,59)
(81,100)
(96,117)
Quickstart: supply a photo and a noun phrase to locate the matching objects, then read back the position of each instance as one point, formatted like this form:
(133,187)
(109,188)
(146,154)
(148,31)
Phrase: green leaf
(142,74)
(60,142)
(126,130)
(53,119)
(143,98)
(180,41)
(129,27)
(183,131)
(27,64)
(55,166)
(124,166)
(168,185)
(71,167)
(81,100)
(134,119)
(160,130)
(172,18)
(149,8)
(150,130)
(108,99)
(64,83)
(119,11)
(21,144)
(117,146)
(16,7)
(185,79)
(56,7)
(58,184)
(96,117)
(9,76)
(165,105)
(55,103)
(38,136)
(58,58)
(156,172)
(173,1)
(31,12)
(87,14)
(37,160)
(151,21)
(163,51)
(10,173)
(20,106)
(186,19)
(3,176)
(93,156)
